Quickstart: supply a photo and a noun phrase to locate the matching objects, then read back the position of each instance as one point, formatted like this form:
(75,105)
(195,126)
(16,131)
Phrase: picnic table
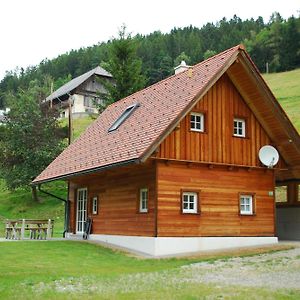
(40,229)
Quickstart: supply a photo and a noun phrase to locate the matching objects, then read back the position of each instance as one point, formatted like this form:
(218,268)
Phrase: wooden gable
(220,105)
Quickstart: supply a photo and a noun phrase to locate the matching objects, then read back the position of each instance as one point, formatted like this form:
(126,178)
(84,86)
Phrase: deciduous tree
(30,139)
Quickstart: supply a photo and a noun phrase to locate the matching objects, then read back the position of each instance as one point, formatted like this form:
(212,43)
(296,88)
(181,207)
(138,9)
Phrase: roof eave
(85,172)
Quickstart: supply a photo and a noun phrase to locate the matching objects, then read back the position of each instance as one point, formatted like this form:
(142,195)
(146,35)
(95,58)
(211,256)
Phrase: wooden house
(174,168)
(80,94)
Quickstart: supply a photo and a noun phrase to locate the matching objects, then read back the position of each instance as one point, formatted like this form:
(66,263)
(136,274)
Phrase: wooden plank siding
(217,144)
(261,103)
(219,200)
(118,200)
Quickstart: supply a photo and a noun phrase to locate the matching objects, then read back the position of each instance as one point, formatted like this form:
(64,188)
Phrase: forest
(274,46)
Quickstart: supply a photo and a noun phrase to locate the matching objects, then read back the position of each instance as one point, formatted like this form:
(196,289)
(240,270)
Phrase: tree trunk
(35,195)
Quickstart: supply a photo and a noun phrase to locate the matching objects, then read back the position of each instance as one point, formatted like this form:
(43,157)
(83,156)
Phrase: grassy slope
(285,86)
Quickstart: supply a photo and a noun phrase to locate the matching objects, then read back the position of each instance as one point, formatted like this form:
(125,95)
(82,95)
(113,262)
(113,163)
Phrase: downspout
(66,221)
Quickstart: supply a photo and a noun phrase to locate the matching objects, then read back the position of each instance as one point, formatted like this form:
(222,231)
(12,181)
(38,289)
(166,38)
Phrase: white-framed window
(189,202)
(246,204)
(197,122)
(239,127)
(95,205)
(144,200)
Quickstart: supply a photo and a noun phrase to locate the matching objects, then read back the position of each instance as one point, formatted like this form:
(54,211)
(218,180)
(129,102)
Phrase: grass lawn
(77,270)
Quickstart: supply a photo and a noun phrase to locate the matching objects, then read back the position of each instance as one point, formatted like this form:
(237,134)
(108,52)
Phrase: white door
(81,214)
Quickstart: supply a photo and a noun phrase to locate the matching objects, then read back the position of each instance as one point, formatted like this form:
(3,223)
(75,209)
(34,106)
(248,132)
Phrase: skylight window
(126,113)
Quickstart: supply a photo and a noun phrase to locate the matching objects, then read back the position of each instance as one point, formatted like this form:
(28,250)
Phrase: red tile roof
(161,106)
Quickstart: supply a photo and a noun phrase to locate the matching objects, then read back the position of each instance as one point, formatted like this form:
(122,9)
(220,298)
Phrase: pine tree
(125,67)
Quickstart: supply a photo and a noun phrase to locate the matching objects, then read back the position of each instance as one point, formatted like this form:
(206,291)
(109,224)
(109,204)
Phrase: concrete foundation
(163,246)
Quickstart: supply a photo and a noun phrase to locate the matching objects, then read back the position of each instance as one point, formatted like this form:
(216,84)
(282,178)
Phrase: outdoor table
(38,229)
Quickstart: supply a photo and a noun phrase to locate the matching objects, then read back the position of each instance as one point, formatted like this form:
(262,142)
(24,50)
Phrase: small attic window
(125,114)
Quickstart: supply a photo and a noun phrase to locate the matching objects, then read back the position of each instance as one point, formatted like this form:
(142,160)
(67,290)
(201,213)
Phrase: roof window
(126,113)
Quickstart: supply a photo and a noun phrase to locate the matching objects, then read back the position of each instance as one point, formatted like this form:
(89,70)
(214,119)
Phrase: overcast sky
(32,30)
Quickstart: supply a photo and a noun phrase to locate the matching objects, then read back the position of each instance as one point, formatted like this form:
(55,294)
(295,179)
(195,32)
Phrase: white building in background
(3,112)
(81,93)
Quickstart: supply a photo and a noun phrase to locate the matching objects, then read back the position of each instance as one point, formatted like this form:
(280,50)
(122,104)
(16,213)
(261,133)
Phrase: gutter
(52,195)
(84,172)
(66,221)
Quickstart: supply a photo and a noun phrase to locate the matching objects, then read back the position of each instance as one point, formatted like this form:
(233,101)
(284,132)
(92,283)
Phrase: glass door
(81,214)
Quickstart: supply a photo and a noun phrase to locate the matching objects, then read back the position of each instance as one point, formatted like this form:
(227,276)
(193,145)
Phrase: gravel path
(278,270)
(274,270)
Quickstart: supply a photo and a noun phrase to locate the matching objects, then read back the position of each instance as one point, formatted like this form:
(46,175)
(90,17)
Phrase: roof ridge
(239,46)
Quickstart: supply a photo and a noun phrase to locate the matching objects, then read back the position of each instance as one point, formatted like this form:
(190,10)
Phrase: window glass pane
(239,127)
(197,120)
(246,204)
(281,193)
(128,111)
(189,202)
(143,200)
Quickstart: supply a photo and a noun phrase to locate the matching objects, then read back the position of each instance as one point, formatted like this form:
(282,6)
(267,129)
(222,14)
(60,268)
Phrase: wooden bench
(38,229)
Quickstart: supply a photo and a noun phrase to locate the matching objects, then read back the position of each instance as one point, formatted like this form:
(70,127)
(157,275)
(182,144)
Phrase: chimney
(182,67)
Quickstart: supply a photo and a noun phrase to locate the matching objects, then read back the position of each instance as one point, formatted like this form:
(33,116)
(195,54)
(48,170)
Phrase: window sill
(198,131)
(190,213)
(247,215)
(241,137)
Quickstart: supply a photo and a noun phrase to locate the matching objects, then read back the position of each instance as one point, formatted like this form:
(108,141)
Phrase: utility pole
(70,120)
(67,203)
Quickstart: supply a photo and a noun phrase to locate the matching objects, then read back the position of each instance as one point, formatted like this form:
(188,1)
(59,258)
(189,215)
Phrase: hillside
(18,204)
(286,88)
(276,42)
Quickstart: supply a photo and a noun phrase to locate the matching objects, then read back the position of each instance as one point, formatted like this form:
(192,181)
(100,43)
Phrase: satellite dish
(268,155)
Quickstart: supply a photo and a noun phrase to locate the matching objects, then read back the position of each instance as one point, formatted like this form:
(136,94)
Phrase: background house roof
(161,107)
(77,81)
